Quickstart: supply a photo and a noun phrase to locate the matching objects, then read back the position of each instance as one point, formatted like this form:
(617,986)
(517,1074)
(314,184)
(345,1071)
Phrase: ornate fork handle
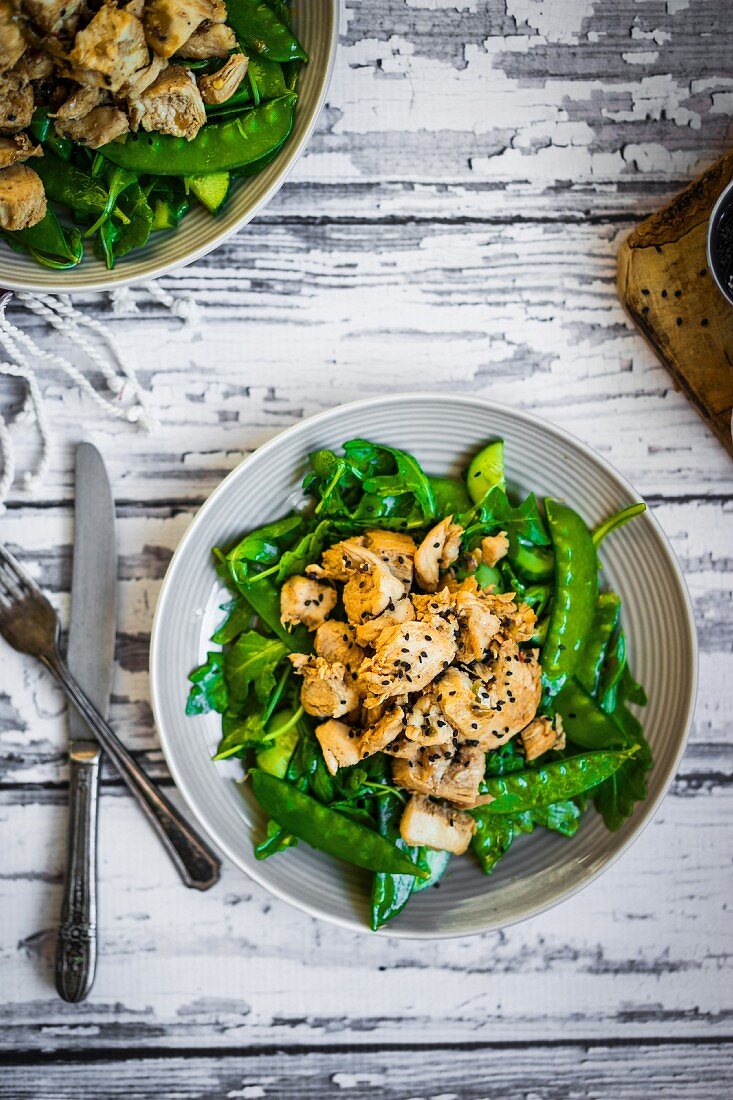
(76,952)
(196,863)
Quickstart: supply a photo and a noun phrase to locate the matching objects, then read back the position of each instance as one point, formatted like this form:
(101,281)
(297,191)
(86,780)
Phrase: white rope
(129,401)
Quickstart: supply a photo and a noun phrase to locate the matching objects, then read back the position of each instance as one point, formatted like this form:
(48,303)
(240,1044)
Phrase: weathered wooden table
(454,226)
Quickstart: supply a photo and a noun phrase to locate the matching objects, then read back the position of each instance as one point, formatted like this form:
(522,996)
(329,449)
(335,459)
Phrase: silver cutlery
(30,625)
(90,657)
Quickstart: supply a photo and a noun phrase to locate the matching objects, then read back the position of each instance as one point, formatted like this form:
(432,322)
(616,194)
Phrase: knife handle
(197,865)
(76,949)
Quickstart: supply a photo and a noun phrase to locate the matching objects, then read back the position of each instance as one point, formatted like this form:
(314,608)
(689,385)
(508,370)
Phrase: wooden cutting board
(667,290)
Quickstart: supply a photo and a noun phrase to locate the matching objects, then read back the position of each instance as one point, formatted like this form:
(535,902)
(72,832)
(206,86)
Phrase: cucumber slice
(535,562)
(211,191)
(276,757)
(451,497)
(167,214)
(486,471)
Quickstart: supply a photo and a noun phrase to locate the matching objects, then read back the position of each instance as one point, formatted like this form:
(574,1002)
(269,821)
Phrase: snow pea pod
(554,782)
(576,592)
(390,892)
(605,621)
(584,722)
(611,673)
(258,28)
(327,830)
(218,146)
(618,519)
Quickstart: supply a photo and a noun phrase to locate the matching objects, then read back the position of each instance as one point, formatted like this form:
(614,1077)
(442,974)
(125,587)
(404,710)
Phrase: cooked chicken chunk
(220,86)
(112,46)
(408,657)
(54,17)
(426,723)
(12,42)
(133,88)
(438,550)
(443,774)
(339,744)
(396,550)
(489,621)
(340,561)
(96,128)
(494,548)
(540,736)
(328,690)
(80,102)
(402,612)
(435,603)
(34,65)
(383,732)
(15,149)
(335,641)
(209,41)
(135,7)
(22,198)
(16,103)
(371,590)
(428,824)
(305,601)
(492,712)
(173,104)
(170,23)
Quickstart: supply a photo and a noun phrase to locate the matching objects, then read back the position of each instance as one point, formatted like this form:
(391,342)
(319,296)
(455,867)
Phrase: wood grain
(454,226)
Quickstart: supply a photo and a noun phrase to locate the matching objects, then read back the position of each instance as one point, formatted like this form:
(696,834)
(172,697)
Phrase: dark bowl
(720,243)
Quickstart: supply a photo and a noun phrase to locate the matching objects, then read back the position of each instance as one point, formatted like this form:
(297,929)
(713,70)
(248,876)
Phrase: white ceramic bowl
(443,432)
(316,23)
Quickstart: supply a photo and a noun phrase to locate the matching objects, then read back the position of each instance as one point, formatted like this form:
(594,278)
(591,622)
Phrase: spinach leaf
(239,733)
(390,892)
(263,544)
(239,619)
(496,513)
(209,690)
(616,796)
(252,661)
(305,552)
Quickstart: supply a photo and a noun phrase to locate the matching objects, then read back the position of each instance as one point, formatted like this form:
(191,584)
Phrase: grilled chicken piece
(435,603)
(328,690)
(12,42)
(339,561)
(408,657)
(54,17)
(335,641)
(96,128)
(489,621)
(305,601)
(540,736)
(339,744)
(170,23)
(426,723)
(16,103)
(431,825)
(22,198)
(402,612)
(490,714)
(220,86)
(139,82)
(215,40)
(371,590)
(111,47)
(173,105)
(34,65)
(443,774)
(396,550)
(80,102)
(15,149)
(383,732)
(438,550)
(135,7)
(494,548)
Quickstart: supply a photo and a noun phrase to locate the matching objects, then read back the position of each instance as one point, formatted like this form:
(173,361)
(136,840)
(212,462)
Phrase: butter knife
(90,656)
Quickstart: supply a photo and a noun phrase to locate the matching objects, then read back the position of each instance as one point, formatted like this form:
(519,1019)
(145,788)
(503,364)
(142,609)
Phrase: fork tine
(13,577)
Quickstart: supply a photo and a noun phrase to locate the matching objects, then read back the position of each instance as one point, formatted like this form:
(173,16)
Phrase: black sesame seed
(704,322)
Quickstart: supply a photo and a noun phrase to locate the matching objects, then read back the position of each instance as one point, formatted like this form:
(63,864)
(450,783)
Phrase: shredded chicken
(339,744)
(212,41)
(16,103)
(328,689)
(494,548)
(429,824)
(396,550)
(409,657)
(80,102)
(96,128)
(54,17)
(220,86)
(442,773)
(305,601)
(170,23)
(541,735)
(12,42)
(111,47)
(335,641)
(368,632)
(426,723)
(22,199)
(383,732)
(173,105)
(489,621)
(370,590)
(490,711)
(438,550)
(18,148)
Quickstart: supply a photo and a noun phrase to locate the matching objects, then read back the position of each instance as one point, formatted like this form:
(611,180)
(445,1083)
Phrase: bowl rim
(531,420)
(722,203)
(287,161)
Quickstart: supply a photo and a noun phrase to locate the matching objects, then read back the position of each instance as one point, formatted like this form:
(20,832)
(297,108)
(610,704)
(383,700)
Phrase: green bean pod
(218,146)
(576,592)
(555,782)
(327,830)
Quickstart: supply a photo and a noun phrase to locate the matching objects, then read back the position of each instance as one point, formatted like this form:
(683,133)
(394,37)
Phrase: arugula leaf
(496,513)
(239,618)
(252,660)
(239,733)
(209,690)
(262,545)
(305,552)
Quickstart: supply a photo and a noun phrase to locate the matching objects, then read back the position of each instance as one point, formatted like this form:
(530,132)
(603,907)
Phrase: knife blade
(90,656)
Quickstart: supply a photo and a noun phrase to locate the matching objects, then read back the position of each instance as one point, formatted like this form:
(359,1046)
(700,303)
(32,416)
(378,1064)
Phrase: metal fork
(30,625)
